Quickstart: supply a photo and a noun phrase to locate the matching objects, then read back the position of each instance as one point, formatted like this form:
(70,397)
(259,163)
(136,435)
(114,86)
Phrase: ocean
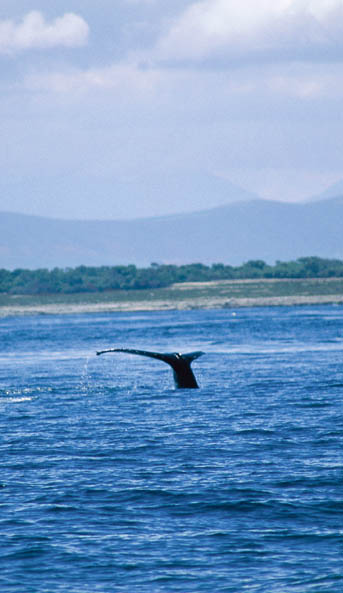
(113,481)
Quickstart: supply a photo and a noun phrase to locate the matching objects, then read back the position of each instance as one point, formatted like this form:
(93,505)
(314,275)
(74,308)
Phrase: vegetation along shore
(309,280)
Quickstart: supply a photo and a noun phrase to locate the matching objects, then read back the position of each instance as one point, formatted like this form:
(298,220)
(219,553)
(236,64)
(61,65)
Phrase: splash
(85,379)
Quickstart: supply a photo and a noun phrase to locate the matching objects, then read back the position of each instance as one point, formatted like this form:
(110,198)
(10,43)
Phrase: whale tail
(180,363)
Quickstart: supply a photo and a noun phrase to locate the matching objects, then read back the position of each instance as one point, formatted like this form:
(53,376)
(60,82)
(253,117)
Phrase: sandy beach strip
(167,305)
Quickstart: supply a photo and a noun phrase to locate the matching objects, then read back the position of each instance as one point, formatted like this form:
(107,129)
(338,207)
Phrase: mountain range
(232,234)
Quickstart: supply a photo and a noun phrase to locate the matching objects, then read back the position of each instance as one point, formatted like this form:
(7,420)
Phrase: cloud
(124,79)
(243,89)
(33,32)
(250,30)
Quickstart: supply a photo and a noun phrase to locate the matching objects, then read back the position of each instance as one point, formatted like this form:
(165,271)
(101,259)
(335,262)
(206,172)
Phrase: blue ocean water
(114,481)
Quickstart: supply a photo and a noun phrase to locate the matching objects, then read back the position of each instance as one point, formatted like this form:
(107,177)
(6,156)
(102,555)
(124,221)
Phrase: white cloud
(124,79)
(34,32)
(250,29)
(198,90)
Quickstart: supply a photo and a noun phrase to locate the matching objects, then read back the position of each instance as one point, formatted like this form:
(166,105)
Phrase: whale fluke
(180,363)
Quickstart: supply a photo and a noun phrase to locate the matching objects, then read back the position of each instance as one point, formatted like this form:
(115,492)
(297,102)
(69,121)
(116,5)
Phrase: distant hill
(256,229)
(333,191)
(164,194)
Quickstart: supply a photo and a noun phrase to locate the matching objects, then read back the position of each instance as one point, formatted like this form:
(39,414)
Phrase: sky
(128,108)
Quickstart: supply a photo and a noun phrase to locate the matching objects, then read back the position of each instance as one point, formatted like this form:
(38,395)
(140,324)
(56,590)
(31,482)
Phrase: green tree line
(105,278)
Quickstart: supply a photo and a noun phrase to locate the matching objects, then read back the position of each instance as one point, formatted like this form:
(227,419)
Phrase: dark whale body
(180,363)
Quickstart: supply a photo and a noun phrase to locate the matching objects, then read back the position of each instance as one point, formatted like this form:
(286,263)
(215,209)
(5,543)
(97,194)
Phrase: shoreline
(184,305)
(221,294)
